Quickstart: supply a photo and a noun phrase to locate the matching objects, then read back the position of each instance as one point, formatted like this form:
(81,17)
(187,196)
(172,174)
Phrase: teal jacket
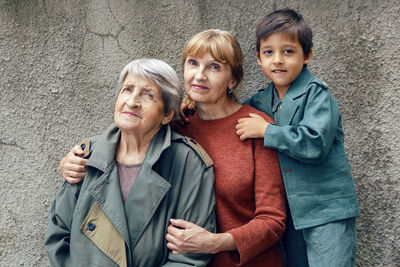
(89,224)
(309,140)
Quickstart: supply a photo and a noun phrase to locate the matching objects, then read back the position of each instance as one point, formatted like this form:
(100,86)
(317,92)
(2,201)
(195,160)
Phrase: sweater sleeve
(268,224)
(310,140)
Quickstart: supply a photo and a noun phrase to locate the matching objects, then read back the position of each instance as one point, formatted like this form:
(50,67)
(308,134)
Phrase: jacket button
(91,226)
(83,146)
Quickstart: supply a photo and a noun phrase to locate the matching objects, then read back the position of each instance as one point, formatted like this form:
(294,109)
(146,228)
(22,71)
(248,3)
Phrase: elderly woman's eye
(148,94)
(126,90)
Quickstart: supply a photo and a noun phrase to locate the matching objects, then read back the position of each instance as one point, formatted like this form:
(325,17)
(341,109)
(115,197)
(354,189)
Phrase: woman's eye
(215,67)
(126,89)
(148,94)
(192,62)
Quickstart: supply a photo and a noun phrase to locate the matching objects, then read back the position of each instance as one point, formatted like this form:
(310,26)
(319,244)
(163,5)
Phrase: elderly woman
(139,175)
(250,197)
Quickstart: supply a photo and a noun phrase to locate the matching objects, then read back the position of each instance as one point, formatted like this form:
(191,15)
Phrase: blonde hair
(222,46)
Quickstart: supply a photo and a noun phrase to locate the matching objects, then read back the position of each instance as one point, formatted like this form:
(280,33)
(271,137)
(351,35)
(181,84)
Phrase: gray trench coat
(89,224)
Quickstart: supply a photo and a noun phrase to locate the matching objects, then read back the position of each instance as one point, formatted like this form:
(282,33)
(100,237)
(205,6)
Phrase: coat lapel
(149,189)
(264,101)
(147,193)
(106,189)
(290,101)
(107,192)
(290,107)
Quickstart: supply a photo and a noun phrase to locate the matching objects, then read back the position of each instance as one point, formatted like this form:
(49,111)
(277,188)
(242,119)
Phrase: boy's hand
(188,108)
(253,127)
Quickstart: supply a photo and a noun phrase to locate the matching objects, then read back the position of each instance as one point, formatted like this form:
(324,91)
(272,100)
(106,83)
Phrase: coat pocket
(98,228)
(332,179)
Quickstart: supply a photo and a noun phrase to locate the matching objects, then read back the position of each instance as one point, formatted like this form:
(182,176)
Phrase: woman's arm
(268,224)
(58,232)
(187,237)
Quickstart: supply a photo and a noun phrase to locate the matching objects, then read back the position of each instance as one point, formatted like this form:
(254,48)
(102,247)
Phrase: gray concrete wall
(59,62)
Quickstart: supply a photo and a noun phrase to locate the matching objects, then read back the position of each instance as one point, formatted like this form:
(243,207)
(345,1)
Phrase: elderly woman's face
(139,106)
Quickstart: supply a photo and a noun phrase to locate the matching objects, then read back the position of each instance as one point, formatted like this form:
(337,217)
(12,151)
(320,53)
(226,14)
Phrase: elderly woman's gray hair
(161,74)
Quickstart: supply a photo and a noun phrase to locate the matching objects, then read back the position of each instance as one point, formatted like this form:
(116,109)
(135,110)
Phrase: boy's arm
(311,139)
(58,232)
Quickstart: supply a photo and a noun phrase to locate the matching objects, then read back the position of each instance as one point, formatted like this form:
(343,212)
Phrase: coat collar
(104,147)
(298,87)
(289,102)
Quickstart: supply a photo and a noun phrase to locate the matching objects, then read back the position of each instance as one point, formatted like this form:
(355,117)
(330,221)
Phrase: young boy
(308,136)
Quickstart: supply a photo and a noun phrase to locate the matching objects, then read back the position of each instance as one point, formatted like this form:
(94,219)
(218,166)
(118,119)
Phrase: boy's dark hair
(289,22)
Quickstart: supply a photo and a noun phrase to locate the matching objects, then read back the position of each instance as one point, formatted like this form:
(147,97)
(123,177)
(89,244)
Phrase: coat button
(91,226)
(83,146)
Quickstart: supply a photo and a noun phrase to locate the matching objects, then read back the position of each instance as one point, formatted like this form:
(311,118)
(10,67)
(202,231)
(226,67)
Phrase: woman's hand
(187,237)
(187,109)
(72,166)
(253,127)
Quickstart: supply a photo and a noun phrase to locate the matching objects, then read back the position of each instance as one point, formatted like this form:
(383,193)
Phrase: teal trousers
(328,245)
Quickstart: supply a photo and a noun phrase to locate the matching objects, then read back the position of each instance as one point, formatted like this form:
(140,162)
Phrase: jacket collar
(298,87)
(104,147)
(289,103)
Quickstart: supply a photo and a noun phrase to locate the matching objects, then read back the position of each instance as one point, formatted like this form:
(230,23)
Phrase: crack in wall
(12,144)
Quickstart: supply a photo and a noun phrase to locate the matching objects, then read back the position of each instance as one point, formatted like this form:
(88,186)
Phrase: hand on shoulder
(252,127)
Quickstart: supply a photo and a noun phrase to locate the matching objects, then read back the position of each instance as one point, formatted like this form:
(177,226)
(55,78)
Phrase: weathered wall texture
(59,62)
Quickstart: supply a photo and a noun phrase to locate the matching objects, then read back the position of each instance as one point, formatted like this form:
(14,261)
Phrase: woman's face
(206,79)
(140,106)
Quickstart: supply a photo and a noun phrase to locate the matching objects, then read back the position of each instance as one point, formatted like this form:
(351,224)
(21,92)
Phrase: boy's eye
(267,52)
(288,51)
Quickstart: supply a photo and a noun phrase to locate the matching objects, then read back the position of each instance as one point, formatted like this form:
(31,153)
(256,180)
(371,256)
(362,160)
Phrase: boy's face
(281,60)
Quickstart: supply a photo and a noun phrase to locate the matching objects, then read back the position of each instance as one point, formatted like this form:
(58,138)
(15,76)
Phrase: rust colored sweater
(250,198)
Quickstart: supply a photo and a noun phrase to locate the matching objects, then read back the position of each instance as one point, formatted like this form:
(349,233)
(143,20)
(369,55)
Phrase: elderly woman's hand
(187,237)
(72,165)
